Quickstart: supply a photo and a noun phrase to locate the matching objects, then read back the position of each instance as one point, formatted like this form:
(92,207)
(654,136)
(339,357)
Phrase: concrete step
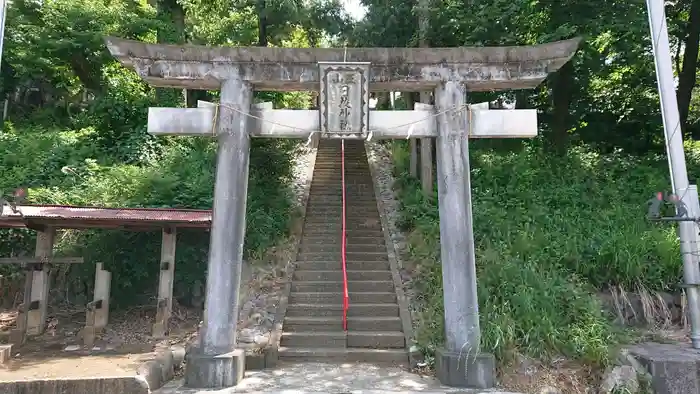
(334,235)
(353,208)
(341,339)
(350,174)
(351,199)
(380,356)
(336,248)
(371,286)
(318,339)
(360,180)
(334,164)
(355,223)
(337,275)
(336,201)
(312,211)
(337,265)
(355,309)
(352,213)
(350,256)
(350,241)
(337,298)
(335,323)
(352,223)
(351,192)
(376,339)
(351,178)
(354,220)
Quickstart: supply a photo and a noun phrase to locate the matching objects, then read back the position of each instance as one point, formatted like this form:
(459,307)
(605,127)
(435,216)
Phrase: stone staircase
(313,328)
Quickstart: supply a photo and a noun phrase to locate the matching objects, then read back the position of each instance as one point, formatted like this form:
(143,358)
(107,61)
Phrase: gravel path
(330,378)
(379,156)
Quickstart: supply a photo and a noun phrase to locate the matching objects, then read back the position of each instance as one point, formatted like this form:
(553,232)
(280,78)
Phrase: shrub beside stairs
(313,325)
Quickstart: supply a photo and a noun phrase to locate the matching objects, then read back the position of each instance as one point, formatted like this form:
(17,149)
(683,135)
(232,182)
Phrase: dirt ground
(122,347)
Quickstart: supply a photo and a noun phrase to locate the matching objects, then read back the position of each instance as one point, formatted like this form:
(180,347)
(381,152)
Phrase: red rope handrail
(346,300)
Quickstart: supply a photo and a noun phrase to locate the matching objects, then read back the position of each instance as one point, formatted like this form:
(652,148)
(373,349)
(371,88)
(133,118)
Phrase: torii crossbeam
(344,78)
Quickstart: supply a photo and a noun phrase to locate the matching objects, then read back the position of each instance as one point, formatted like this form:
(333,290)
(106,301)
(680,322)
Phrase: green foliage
(80,139)
(608,99)
(59,167)
(549,231)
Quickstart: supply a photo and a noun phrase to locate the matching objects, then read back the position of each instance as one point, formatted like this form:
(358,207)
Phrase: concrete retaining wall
(108,385)
(151,375)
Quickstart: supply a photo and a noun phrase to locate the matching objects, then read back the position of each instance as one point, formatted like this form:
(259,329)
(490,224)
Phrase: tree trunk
(562,85)
(172,11)
(686,78)
(262,23)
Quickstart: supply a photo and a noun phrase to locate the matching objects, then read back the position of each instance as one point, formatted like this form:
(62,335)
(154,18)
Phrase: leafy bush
(549,232)
(59,167)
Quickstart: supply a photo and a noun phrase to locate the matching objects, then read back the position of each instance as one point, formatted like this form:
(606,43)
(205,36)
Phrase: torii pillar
(451,72)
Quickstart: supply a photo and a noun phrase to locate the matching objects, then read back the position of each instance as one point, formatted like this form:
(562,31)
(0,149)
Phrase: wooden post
(165,283)
(37,270)
(19,334)
(97,314)
(39,293)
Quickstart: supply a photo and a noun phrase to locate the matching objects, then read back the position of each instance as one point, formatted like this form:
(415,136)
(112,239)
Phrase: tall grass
(550,233)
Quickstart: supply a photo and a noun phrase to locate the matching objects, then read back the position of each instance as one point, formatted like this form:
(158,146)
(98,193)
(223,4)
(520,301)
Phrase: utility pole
(676,160)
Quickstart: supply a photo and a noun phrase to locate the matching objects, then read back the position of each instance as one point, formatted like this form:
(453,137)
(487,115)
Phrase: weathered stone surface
(404,69)
(5,353)
(111,385)
(461,370)
(334,378)
(224,370)
(623,377)
(673,367)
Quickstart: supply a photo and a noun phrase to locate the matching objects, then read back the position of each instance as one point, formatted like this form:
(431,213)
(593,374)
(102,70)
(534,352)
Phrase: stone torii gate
(344,78)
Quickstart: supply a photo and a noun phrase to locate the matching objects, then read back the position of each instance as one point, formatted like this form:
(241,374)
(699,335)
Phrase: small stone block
(456,369)
(674,368)
(159,330)
(254,362)
(213,372)
(5,353)
(17,336)
(89,334)
(271,357)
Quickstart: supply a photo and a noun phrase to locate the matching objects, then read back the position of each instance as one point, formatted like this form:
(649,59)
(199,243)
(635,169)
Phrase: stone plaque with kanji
(344,106)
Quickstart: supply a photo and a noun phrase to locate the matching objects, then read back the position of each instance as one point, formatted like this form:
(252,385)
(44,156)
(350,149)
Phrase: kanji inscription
(344,100)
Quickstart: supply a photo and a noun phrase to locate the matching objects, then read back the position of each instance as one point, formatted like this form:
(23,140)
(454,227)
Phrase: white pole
(3,13)
(676,159)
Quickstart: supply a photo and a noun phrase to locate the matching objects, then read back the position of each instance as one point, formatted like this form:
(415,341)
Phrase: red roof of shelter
(61,216)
